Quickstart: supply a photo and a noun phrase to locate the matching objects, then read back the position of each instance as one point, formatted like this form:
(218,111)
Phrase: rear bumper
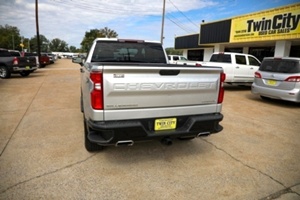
(287,95)
(109,133)
(27,68)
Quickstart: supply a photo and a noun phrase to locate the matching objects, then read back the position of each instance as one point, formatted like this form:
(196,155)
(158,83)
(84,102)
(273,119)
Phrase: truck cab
(238,67)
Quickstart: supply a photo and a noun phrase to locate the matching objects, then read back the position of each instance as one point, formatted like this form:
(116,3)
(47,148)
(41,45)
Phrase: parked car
(52,57)
(278,78)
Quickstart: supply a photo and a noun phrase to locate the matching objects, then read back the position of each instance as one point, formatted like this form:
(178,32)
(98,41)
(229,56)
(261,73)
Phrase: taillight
(221,89)
(15,61)
(198,65)
(257,75)
(97,92)
(293,79)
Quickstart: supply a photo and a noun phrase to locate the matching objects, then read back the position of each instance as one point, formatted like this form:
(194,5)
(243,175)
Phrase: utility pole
(13,41)
(162,23)
(37,30)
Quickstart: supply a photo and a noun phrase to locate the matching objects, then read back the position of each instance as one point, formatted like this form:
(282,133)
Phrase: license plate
(165,124)
(27,67)
(271,82)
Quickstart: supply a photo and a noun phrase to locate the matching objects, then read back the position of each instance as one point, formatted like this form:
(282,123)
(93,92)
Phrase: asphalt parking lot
(256,156)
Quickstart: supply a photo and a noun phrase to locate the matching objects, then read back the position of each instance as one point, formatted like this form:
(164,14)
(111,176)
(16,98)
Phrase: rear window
(4,53)
(114,51)
(225,58)
(15,53)
(282,66)
(30,54)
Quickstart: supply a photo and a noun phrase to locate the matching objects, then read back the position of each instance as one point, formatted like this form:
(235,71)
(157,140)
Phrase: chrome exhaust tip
(203,134)
(124,143)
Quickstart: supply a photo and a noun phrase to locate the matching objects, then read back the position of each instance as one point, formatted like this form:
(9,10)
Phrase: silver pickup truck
(129,93)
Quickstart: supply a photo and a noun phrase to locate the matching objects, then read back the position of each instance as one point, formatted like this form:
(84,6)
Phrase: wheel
(42,65)
(81,103)
(91,147)
(264,98)
(25,73)
(4,72)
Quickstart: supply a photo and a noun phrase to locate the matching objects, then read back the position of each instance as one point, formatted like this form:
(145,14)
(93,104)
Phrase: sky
(68,20)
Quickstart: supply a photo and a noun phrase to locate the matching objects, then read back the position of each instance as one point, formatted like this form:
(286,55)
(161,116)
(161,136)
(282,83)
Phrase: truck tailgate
(177,89)
(27,61)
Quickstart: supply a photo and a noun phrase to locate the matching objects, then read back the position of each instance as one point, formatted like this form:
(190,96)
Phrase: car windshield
(114,51)
(281,66)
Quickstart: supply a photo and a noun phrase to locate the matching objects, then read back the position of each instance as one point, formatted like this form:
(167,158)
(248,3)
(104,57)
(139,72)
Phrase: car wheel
(81,103)
(4,72)
(26,73)
(91,147)
(264,98)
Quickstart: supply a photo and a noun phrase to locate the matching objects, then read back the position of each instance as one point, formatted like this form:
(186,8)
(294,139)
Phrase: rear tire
(265,98)
(4,72)
(25,73)
(89,146)
(81,104)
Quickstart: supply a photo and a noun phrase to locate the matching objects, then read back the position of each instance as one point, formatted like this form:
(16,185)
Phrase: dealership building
(273,32)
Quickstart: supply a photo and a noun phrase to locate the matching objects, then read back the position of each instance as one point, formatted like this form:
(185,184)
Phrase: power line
(180,24)
(183,14)
(112,9)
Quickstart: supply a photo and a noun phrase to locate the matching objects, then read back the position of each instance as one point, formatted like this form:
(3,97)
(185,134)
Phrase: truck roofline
(123,39)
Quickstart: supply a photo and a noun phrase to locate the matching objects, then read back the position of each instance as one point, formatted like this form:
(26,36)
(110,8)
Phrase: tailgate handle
(165,72)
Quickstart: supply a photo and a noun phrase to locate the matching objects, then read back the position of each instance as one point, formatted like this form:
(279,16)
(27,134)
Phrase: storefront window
(196,55)
(261,52)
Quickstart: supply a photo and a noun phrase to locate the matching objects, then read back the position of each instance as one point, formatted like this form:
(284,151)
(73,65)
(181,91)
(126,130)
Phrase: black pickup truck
(11,62)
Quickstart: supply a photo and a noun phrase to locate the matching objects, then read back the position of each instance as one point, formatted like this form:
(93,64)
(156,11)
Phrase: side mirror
(77,60)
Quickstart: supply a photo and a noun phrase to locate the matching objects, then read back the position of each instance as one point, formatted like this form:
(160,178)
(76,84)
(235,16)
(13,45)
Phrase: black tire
(25,73)
(42,66)
(4,72)
(81,103)
(89,146)
(264,98)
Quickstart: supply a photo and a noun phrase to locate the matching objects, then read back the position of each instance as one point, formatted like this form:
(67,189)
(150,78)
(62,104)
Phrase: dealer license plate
(27,67)
(271,82)
(165,124)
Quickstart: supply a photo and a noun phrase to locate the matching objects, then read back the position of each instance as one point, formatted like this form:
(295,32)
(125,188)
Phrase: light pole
(162,23)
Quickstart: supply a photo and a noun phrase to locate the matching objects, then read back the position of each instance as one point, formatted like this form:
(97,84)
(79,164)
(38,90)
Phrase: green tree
(172,51)
(108,33)
(89,38)
(91,35)
(10,37)
(58,45)
(44,44)
(73,49)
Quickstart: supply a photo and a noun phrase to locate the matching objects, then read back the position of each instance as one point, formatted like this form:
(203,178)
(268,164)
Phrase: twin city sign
(274,24)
